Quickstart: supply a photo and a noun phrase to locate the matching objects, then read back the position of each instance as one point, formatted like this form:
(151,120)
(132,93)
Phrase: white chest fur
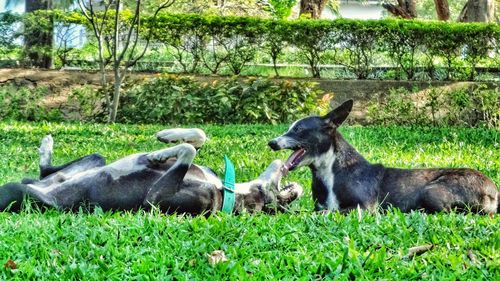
(324,173)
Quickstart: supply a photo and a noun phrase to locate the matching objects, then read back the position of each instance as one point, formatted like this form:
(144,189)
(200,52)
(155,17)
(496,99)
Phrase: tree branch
(164,5)
(405,9)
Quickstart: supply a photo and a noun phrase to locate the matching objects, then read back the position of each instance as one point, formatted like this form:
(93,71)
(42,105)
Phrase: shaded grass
(298,244)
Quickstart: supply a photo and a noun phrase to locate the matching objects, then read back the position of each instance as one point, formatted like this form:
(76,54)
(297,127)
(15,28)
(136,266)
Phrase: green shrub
(469,106)
(473,106)
(87,104)
(25,104)
(396,107)
(172,99)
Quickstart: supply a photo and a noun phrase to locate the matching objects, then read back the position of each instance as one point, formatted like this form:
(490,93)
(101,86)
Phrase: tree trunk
(406,9)
(313,8)
(442,9)
(39,40)
(116,94)
(478,11)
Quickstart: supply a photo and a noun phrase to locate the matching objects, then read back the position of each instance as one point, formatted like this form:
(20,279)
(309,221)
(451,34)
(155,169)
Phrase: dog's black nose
(274,145)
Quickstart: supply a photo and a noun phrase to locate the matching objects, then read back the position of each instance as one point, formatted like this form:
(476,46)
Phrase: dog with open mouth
(343,179)
(167,179)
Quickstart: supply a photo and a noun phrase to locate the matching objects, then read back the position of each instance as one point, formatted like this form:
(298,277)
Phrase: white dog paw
(47,144)
(45,150)
(156,157)
(195,137)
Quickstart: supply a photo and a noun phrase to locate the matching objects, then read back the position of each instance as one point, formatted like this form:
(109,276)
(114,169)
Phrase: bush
(87,103)
(25,104)
(172,99)
(470,107)
(232,41)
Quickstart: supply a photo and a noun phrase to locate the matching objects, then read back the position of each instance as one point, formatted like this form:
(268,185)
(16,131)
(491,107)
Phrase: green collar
(228,185)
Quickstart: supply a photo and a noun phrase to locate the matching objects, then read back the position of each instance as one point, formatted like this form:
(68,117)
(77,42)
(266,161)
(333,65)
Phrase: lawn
(298,244)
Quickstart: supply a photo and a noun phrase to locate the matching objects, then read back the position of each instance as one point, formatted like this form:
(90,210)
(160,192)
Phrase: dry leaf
(10,264)
(216,257)
(256,262)
(418,250)
(472,257)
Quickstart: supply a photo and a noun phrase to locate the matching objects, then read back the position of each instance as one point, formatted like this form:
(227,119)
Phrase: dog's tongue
(294,159)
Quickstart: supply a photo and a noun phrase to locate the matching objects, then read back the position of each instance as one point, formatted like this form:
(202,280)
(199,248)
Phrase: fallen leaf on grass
(256,262)
(216,257)
(418,250)
(10,264)
(472,257)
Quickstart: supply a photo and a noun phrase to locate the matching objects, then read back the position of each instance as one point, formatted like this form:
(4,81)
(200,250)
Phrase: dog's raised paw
(156,158)
(193,136)
(45,150)
(47,144)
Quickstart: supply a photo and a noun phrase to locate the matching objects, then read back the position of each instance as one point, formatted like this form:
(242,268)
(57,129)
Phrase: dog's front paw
(195,137)
(157,157)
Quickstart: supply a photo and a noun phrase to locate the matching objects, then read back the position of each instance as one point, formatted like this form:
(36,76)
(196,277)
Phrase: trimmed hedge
(214,41)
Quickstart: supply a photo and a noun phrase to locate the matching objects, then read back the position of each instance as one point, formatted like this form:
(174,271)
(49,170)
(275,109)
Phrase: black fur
(343,179)
(165,179)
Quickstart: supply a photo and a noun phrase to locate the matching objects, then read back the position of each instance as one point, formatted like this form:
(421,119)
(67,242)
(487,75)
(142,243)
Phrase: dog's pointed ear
(337,116)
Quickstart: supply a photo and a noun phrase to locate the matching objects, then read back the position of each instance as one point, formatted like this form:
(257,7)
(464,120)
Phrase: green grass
(298,244)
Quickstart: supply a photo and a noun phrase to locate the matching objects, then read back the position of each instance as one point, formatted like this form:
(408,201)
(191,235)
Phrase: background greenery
(342,48)
(175,99)
(298,244)
(181,100)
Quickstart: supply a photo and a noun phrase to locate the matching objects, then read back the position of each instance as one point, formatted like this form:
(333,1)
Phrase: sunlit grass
(299,244)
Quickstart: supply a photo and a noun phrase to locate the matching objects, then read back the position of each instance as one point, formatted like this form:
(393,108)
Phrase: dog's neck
(346,156)
(244,198)
(339,157)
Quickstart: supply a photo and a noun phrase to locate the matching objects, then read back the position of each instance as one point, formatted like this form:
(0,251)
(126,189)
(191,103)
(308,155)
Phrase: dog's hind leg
(75,166)
(439,197)
(45,151)
(11,196)
(462,190)
(195,137)
(168,184)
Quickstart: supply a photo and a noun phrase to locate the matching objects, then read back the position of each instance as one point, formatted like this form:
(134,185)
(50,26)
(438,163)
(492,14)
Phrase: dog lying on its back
(343,179)
(167,179)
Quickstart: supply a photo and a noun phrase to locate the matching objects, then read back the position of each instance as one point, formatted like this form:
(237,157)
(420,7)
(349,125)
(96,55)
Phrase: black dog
(166,178)
(343,179)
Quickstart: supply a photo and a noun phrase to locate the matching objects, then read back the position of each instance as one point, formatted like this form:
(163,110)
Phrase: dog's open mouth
(294,160)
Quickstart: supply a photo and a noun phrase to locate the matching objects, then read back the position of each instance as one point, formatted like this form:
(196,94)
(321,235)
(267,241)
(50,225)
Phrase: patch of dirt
(59,83)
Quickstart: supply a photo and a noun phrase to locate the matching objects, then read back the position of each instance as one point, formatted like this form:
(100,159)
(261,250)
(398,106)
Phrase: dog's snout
(274,145)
